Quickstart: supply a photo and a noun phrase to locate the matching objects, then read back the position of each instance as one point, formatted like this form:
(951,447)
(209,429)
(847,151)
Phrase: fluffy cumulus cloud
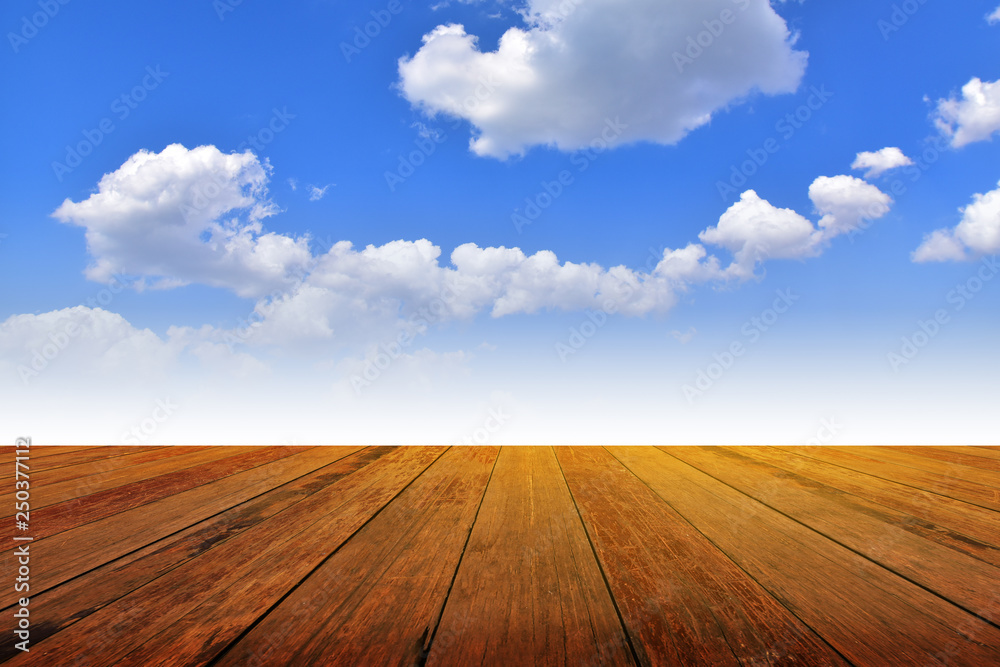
(181,216)
(80,338)
(993,17)
(978,233)
(754,230)
(846,203)
(346,296)
(878,162)
(653,70)
(973,117)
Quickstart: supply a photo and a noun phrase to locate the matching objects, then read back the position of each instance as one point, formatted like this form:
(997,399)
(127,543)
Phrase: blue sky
(239,314)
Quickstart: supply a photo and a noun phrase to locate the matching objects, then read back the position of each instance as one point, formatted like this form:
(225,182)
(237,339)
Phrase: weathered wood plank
(47,478)
(981,452)
(952,456)
(55,519)
(899,456)
(929,556)
(256,567)
(683,601)
(864,611)
(81,549)
(60,607)
(944,485)
(529,587)
(73,457)
(403,560)
(956,516)
(103,474)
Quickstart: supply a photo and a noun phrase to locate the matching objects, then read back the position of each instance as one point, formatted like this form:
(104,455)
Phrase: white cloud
(576,66)
(880,161)
(317,193)
(182,216)
(978,233)
(994,17)
(754,231)
(973,117)
(846,203)
(351,297)
(80,341)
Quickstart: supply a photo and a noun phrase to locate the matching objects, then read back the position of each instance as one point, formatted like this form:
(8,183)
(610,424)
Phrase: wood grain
(683,601)
(929,556)
(403,560)
(950,486)
(959,518)
(864,611)
(253,569)
(529,584)
(60,607)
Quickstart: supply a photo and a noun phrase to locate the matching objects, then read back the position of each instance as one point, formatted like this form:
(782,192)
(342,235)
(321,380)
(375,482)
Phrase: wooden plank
(256,567)
(901,457)
(928,556)
(41,451)
(60,607)
(84,469)
(81,549)
(864,611)
(954,457)
(403,560)
(529,584)
(83,455)
(106,474)
(981,452)
(55,519)
(944,485)
(683,601)
(977,524)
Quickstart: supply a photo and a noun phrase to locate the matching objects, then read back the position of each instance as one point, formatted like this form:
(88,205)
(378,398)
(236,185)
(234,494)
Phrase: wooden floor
(467,556)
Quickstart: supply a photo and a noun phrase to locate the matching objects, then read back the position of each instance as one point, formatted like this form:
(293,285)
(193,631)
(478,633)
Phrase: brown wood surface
(528,584)
(864,611)
(67,483)
(252,570)
(920,553)
(974,528)
(74,456)
(950,485)
(535,556)
(683,601)
(403,560)
(79,511)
